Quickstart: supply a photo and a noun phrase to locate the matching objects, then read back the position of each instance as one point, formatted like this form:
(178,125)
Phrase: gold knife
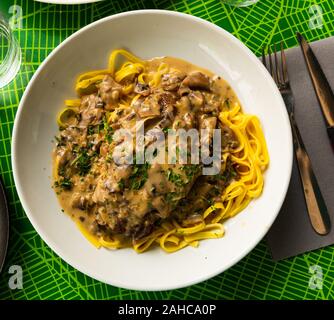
(321,86)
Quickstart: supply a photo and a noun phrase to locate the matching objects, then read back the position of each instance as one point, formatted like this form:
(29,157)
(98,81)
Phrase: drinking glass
(240,3)
(10,53)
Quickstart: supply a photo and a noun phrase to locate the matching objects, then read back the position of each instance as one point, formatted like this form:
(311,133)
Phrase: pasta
(131,84)
(252,159)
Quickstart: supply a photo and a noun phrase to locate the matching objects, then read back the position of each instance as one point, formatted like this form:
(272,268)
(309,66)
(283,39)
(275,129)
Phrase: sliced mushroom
(80,201)
(150,107)
(192,220)
(189,120)
(102,216)
(110,219)
(196,99)
(166,102)
(145,228)
(228,140)
(194,81)
(73,134)
(120,172)
(172,81)
(160,205)
(109,91)
(90,112)
(142,88)
(212,103)
(90,101)
(91,117)
(63,155)
(102,194)
(166,99)
(96,142)
(183,105)
(209,124)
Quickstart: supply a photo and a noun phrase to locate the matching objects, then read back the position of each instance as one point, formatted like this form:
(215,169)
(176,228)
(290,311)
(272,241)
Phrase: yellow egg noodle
(250,158)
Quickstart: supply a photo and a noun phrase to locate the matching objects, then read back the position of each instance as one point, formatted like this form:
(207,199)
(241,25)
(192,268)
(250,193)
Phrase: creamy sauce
(112,200)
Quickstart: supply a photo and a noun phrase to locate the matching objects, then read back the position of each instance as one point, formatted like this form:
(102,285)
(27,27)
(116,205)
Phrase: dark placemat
(292,232)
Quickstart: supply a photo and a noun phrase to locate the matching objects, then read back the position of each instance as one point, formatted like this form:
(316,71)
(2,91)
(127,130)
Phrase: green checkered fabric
(45,275)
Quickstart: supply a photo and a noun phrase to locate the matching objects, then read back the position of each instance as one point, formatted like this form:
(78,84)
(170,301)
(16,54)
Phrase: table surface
(45,275)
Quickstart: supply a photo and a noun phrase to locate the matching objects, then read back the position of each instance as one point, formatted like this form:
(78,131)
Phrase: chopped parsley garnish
(172,198)
(83,162)
(210,201)
(90,130)
(175,178)
(64,183)
(109,158)
(233,173)
(139,176)
(97,128)
(121,184)
(149,205)
(107,130)
(61,171)
(190,170)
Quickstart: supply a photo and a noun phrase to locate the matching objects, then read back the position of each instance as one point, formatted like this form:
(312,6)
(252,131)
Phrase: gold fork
(315,203)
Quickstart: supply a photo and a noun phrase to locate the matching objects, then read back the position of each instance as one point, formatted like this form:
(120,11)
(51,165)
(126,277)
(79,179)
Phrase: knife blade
(321,86)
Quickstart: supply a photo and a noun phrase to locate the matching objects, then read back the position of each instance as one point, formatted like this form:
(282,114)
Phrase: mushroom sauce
(129,201)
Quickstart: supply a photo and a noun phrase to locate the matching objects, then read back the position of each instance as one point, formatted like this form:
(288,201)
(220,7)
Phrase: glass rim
(10,38)
(11,60)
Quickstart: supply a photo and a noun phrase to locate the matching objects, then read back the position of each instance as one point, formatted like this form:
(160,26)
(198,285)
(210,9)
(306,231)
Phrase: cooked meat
(208,122)
(90,113)
(63,156)
(109,91)
(172,81)
(189,120)
(196,99)
(228,138)
(103,190)
(81,201)
(212,103)
(131,200)
(150,107)
(194,81)
(166,101)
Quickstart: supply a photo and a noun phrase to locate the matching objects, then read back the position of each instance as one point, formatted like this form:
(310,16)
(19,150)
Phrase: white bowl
(148,34)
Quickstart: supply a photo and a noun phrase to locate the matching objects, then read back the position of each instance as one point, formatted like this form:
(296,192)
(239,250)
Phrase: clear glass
(10,53)
(240,3)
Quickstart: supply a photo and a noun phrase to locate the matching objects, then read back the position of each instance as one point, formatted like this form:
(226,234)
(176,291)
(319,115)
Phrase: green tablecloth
(45,275)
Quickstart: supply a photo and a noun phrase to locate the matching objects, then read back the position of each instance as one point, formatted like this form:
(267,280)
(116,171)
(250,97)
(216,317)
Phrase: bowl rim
(82,268)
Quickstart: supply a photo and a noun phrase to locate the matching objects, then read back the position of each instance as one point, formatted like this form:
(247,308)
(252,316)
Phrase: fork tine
(277,72)
(264,57)
(271,68)
(284,67)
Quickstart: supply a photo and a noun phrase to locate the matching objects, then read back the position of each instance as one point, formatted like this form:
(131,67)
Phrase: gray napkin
(292,233)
